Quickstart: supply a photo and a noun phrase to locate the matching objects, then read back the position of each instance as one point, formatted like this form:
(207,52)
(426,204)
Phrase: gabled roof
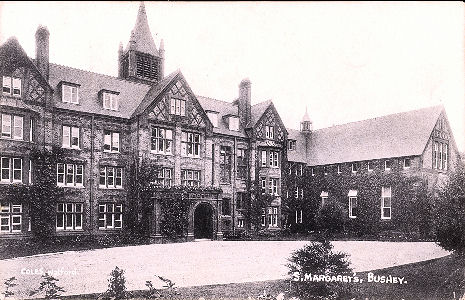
(141,35)
(396,135)
(11,48)
(223,108)
(154,92)
(257,111)
(299,154)
(131,93)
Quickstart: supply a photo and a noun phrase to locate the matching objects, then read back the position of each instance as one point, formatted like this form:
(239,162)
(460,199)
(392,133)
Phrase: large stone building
(104,124)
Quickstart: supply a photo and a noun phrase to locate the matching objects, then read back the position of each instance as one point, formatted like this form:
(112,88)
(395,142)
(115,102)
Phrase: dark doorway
(203,221)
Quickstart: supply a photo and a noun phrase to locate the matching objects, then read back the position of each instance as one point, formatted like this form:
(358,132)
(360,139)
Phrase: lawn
(432,279)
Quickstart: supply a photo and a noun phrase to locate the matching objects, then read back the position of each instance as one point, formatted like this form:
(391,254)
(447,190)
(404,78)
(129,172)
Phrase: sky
(343,61)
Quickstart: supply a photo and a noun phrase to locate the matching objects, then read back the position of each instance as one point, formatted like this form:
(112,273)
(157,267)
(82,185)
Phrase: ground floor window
(352,204)
(164,177)
(263,218)
(11,217)
(324,198)
(69,216)
(240,223)
(386,203)
(298,216)
(110,216)
(272,217)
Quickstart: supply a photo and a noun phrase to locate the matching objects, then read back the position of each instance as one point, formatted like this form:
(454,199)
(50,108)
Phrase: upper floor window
(387,165)
(190,144)
(190,177)
(407,163)
(301,169)
(274,159)
(14,130)
(312,171)
(353,204)
(110,101)
(355,167)
(339,169)
(70,137)
(111,177)
(178,107)
(241,163)
(233,123)
(213,116)
(70,174)
(298,217)
(269,132)
(273,186)
(12,169)
(324,197)
(386,203)
(164,177)
(162,140)
(70,94)
(10,217)
(264,158)
(111,141)
(370,166)
(11,86)
(263,184)
(325,170)
(291,145)
(272,216)
(440,156)
(226,207)
(240,200)
(225,164)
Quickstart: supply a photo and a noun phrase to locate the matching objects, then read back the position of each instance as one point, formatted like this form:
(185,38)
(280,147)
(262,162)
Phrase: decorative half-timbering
(269,126)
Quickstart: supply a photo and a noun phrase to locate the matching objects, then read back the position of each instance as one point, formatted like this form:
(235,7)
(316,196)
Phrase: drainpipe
(91,179)
(234,187)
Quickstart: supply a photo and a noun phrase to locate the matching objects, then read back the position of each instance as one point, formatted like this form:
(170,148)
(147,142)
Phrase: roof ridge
(383,116)
(105,75)
(210,98)
(263,102)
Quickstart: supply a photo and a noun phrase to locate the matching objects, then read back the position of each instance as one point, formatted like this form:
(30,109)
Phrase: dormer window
(233,123)
(70,93)
(291,145)
(110,101)
(213,116)
(269,132)
(178,107)
(11,86)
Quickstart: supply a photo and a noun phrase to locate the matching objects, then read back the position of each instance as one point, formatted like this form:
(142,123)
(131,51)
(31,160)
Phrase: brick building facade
(104,124)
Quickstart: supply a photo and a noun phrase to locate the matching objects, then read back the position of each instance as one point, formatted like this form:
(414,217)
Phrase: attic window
(110,101)
(233,123)
(213,116)
(11,86)
(178,107)
(269,132)
(70,93)
(291,145)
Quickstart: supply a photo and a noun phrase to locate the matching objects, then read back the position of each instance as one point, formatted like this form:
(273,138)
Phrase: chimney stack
(42,50)
(245,102)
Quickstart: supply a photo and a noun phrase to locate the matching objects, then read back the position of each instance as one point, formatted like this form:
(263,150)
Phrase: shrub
(317,258)
(9,283)
(49,286)
(331,217)
(116,284)
(449,218)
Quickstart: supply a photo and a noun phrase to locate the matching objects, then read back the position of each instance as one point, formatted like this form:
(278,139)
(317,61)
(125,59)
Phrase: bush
(49,287)
(449,218)
(116,284)
(331,217)
(317,258)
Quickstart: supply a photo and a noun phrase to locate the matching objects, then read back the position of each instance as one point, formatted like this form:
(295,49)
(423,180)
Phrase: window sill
(110,188)
(13,139)
(72,186)
(70,148)
(68,230)
(12,182)
(110,229)
(111,152)
(161,153)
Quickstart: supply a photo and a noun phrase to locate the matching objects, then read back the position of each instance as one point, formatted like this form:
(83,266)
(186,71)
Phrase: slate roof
(223,108)
(141,35)
(395,135)
(258,110)
(130,93)
(298,155)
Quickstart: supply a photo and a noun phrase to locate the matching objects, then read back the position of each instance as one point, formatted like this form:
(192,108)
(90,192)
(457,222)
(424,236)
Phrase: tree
(449,213)
(255,202)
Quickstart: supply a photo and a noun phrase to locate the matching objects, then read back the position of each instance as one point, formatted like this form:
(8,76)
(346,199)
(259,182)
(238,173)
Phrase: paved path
(199,263)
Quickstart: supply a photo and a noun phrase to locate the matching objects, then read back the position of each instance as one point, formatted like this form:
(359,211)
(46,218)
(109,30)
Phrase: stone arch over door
(204,224)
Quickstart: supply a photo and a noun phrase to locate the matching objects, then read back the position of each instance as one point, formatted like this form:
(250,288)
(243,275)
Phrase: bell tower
(306,126)
(140,60)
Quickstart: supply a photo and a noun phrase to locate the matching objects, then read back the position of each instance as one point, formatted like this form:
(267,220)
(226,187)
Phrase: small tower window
(147,67)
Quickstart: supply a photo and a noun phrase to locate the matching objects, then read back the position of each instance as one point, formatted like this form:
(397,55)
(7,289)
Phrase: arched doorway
(203,221)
